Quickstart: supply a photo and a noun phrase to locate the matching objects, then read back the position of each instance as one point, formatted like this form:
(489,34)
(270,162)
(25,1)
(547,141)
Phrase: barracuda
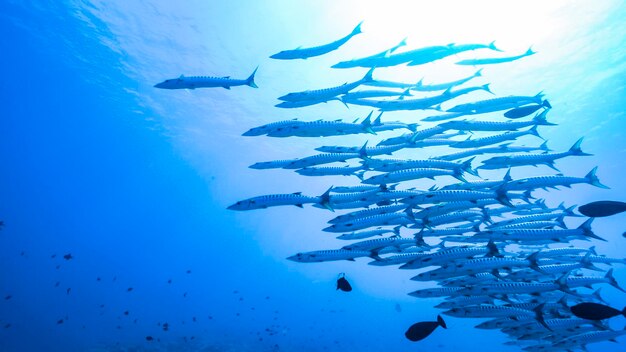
(454,196)
(502,148)
(367,212)
(397,259)
(391,165)
(552,181)
(507,136)
(547,159)
(413,174)
(435,292)
(274,200)
(304,53)
(416,136)
(363,62)
(326,93)
(390,219)
(496,104)
(488,311)
(466,125)
(194,82)
(329,255)
(379,243)
(444,256)
(420,86)
(367,234)
(471,267)
(465,301)
(531,235)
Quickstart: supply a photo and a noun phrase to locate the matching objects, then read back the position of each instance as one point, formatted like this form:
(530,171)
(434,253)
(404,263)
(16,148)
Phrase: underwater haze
(116,233)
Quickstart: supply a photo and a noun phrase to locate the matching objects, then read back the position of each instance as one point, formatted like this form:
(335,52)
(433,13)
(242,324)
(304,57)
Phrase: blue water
(134,181)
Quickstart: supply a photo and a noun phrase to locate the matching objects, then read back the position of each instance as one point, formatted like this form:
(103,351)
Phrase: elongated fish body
(560,269)
(366,234)
(509,288)
(330,171)
(320,159)
(443,86)
(461,216)
(415,136)
(587,281)
(378,243)
(443,117)
(451,196)
(304,53)
(477,279)
(390,165)
(364,61)
(435,292)
(353,189)
(531,225)
(394,195)
(303,103)
(390,84)
(393,125)
(194,82)
(447,232)
(369,151)
(445,256)
(265,129)
(465,301)
(564,251)
(503,323)
(370,221)
(526,110)
(554,324)
(275,164)
(593,259)
(475,185)
(328,255)
(274,200)
(424,55)
(471,267)
(413,174)
(497,104)
(507,136)
(428,103)
(367,212)
(396,259)
(353,197)
(488,311)
(372,93)
(590,337)
(348,205)
(530,218)
(323,128)
(445,208)
(552,181)
(495,60)
(503,148)
(531,235)
(326,93)
(428,142)
(465,125)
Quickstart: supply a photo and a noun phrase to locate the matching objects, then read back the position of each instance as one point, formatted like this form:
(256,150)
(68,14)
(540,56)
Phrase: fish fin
(539,316)
(357,29)
(593,179)
(575,149)
(529,52)
(250,80)
(299,205)
(441,322)
(368,75)
(225,87)
(351,259)
(612,281)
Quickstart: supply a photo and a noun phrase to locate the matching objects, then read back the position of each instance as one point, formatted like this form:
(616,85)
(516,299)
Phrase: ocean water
(133,182)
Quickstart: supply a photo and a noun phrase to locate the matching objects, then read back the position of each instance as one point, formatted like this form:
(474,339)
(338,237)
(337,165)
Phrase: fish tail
(441,322)
(540,119)
(547,104)
(530,51)
(544,147)
(467,167)
(478,73)
(612,281)
(412,127)
(624,312)
(486,88)
(535,132)
(492,46)
(250,80)
(357,29)
(586,228)
(592,179)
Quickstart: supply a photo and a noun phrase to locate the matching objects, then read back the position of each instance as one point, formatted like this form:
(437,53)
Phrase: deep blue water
(134,182)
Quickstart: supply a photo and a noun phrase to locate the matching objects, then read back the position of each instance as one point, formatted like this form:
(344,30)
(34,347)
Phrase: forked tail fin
(250,80)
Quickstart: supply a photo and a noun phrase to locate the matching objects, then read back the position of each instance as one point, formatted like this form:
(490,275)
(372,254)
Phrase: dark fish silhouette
(149,338)
(602,208)
(526,110)
(129,289)
(420,331)
(68,256)
(596,311)
(343,284)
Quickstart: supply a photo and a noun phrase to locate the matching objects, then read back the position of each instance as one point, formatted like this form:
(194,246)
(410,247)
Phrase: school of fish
(486,248)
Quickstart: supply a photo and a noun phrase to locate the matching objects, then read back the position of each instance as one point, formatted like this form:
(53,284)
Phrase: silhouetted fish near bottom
(420,331)
(602,208)
(343,284)
(596,311)
(526,110)
(149,338)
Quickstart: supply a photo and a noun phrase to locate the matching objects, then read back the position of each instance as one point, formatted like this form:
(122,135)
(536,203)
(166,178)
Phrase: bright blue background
(134,181)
